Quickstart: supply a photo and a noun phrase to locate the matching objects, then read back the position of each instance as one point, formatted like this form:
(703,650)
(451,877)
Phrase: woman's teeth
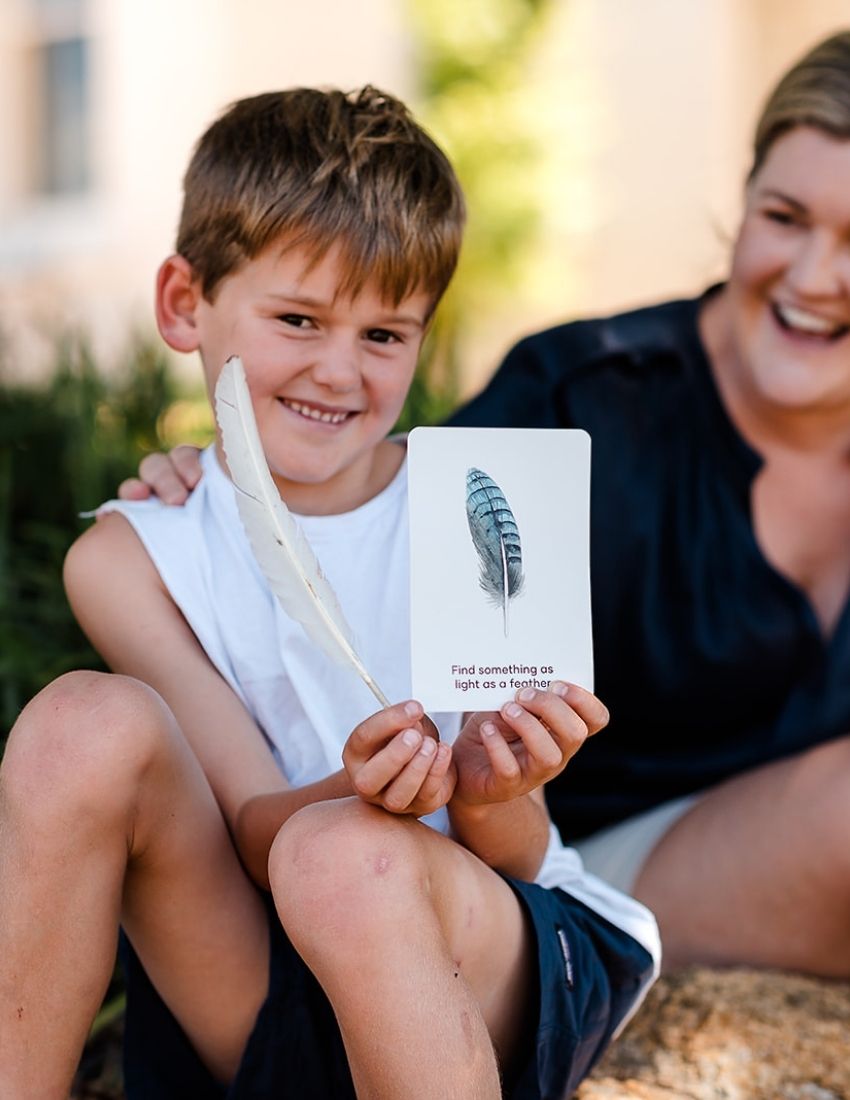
(316,414)
(810,323)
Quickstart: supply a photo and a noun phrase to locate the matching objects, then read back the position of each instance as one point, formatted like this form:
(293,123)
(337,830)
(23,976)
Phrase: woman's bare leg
(758,871)
(104,808)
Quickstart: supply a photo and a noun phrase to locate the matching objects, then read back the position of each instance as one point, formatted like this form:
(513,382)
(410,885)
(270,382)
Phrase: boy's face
(328,374)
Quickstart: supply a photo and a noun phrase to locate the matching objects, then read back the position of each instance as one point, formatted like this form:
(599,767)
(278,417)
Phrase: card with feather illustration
(500,562)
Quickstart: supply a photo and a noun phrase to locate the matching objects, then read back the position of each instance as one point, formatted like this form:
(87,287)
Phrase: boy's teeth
(807,322)
(317,414)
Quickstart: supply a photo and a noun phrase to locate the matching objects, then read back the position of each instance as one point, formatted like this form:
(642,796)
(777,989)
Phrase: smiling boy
(318,233)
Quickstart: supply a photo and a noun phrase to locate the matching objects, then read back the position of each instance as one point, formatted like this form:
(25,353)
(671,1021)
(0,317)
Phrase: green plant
(475,62)
(64,447)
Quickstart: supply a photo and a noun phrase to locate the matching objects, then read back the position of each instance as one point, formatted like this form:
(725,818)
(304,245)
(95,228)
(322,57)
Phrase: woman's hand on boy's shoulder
(394,760)
(503,755)
(171,477)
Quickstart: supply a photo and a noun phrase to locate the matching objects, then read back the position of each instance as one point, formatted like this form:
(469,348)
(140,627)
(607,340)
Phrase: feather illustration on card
(280,546)
(495,536)
(483,513)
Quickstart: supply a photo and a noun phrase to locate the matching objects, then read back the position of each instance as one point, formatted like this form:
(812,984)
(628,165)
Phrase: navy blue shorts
(589,975)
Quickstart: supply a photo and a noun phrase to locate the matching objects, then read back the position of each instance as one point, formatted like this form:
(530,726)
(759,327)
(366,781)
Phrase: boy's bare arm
(260,818)
(510,837)
(504,760)
(124,608)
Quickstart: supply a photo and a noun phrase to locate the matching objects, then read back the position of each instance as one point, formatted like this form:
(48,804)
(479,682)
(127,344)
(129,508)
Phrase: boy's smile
(313,412)
(328,373)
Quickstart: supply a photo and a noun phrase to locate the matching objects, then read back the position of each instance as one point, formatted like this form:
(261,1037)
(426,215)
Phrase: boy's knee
(87,732)
(337,867)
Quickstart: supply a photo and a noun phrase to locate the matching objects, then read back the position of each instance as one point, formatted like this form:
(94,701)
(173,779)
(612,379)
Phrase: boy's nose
(338,368)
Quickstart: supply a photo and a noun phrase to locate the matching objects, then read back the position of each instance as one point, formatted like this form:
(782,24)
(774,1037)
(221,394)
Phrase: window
(65,154)
(61,65)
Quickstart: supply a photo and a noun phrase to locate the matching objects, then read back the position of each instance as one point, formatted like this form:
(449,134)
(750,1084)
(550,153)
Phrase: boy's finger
(546,745)
(570,713)
(380,727)
(387,764)
(433,790)
(502,760)
(428,727)
(591,710)
(402,790)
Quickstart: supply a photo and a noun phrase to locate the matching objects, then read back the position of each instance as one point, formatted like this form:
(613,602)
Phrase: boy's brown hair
(315,169)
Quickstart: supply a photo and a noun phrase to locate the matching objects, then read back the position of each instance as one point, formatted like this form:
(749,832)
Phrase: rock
(737,1034)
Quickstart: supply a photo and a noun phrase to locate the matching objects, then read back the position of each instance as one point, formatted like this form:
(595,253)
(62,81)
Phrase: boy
(318,233)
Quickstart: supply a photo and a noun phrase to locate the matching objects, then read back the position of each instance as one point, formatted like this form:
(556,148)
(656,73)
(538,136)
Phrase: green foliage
(427,401)
(64,447)
(475,61)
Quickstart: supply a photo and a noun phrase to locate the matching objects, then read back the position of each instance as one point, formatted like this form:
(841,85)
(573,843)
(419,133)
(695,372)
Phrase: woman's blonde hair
(814,92)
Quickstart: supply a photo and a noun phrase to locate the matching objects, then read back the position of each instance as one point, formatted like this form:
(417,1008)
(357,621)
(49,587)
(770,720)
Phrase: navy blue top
(708,659)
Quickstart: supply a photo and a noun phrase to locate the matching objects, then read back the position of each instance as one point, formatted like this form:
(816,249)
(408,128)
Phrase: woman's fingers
(187,463)
(133,489)
(162,478)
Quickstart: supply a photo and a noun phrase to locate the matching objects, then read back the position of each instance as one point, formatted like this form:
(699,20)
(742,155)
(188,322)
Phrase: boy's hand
(394,760)
(170,477)
(500,756)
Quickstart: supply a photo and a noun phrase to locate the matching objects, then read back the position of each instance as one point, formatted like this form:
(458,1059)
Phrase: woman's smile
(798,321)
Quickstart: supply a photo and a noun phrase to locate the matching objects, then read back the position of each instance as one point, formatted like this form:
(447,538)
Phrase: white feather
(280,546)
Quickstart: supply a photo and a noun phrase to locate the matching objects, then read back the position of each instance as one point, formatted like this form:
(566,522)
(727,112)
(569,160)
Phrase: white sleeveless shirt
(304,704)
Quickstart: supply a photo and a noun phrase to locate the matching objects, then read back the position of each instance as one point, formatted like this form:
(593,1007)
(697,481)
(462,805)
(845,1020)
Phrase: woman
(720,794)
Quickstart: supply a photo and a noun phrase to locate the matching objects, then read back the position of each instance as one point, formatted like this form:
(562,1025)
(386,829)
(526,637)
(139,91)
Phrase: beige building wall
(651,107)
(647,106)
(160,71)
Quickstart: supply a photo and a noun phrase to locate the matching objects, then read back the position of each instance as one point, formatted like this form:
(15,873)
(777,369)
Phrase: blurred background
(602,144)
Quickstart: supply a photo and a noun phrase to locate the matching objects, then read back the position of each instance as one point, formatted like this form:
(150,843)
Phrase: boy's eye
(381,336)
(295,320)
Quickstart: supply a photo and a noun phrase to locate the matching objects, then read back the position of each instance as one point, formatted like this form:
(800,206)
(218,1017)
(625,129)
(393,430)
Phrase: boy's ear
(178,293)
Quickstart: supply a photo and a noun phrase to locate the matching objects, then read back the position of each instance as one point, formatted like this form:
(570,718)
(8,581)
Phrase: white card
(470,648)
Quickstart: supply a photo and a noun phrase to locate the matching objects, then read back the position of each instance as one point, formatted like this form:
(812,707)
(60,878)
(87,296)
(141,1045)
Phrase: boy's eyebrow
(294,298)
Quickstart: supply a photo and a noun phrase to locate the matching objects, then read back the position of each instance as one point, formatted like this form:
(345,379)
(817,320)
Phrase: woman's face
(789,290)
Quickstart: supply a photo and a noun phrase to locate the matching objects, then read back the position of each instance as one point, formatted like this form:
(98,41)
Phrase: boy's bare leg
(102,802)
(758,871)
(421,948)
